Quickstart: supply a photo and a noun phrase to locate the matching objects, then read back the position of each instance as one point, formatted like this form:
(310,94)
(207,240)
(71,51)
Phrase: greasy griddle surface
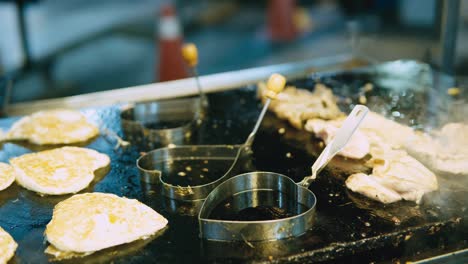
(347,223)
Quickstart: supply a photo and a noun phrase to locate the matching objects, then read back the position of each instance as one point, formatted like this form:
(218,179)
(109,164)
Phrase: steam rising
(439,113)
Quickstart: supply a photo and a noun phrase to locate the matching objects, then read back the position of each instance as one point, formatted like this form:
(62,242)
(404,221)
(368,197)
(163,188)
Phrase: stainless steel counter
(186,87)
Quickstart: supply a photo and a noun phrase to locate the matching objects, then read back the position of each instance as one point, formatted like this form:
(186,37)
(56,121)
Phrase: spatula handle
(342,137)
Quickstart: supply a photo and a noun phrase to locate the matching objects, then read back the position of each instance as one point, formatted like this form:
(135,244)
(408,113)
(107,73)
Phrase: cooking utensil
(192,172)
(157,124)
(268,205)
(190,55)
(154,124)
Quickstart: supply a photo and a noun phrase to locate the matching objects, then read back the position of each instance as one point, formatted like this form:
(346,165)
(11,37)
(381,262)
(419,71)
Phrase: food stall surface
(349,227)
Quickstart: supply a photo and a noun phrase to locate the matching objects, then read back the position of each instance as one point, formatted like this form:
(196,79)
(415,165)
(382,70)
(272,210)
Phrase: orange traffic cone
(281,20)
(171,62)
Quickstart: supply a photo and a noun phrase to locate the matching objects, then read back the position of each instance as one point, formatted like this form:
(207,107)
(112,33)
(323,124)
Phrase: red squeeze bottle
(171,62)
(280,20)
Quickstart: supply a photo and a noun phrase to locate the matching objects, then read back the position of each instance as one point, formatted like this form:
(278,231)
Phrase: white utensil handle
(342,137)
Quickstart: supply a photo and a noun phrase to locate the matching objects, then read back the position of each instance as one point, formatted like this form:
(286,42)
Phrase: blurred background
(56,48)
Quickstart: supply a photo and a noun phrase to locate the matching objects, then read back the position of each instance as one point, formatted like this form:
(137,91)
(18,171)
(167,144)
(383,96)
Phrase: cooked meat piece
(369,186)
(323,106)
(395,176)
(292,113)
(402,172)
(396,171)
(386,130)
(299,105)
(446,151)
(357,147)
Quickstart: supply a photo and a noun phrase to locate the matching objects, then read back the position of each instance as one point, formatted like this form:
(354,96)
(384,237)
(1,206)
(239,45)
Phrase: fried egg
(7,246)
(85,223)
(7,176)
(58,171)
(58,126)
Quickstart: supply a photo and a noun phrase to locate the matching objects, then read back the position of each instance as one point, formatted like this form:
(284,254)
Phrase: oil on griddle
(275,205)
(347,224)
(192,172)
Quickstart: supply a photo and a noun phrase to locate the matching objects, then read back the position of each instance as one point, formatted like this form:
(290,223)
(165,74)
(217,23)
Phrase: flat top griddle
(348,226)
